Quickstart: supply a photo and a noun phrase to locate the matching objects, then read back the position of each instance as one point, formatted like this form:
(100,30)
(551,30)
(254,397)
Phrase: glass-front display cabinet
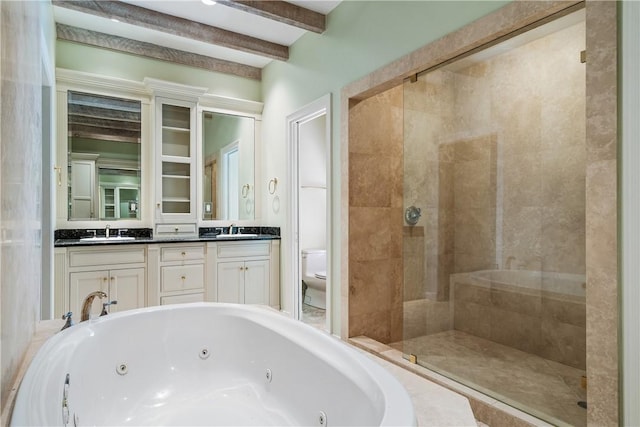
(175,185)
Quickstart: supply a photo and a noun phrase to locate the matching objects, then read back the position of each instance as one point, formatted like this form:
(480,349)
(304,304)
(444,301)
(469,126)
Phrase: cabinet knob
(176,229)
(183,277)
(184,253)
(157,205)
(104,279)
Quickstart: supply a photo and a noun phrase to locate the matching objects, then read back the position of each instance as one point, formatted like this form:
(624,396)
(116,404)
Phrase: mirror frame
(67,80)
(144,92)
(241,108)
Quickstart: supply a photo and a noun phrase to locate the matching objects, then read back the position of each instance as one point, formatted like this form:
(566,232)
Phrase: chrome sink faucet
(86,305)
(107,229)
(231,228)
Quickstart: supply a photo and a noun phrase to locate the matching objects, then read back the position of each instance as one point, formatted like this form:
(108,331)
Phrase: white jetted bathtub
(205,364)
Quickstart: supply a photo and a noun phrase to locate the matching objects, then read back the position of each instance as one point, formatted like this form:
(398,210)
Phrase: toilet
(314,276)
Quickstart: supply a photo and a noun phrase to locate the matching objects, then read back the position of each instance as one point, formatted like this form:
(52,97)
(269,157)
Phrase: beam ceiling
(281,11)
(149,50)
(158,21)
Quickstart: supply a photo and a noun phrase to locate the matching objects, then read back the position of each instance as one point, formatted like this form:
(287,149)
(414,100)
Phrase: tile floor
(314,316)
(543,388)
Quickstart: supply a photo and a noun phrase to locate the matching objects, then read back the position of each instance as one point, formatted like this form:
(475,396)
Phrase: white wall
(26,48)
(630,227)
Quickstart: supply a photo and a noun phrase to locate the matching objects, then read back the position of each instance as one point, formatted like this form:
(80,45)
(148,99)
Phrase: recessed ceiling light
(208,2)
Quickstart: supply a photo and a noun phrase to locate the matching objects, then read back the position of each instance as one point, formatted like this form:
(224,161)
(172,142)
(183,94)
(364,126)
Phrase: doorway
(309,169)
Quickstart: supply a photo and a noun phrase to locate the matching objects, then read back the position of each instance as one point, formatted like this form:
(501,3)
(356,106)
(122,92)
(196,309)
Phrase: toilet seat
(322,275)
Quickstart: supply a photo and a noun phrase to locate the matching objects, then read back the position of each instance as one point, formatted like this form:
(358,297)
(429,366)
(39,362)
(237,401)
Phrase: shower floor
(541,387)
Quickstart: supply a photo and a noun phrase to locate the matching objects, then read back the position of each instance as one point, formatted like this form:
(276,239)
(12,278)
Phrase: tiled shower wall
(495,158)
(375,217)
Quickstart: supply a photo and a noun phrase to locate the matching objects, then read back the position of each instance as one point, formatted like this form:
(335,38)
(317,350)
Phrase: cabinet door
(256,282)
(176,159)
(127,287)
(83,179)
(81,285)
(231,282)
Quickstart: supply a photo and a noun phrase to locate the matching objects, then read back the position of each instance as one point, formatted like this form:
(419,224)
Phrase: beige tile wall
(602,214)
(375,217)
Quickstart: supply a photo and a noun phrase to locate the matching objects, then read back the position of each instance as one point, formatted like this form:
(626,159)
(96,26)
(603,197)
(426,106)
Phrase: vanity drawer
(242,250)
(181,299)
(130,255)
(182,253)
(167,230)
(182,277)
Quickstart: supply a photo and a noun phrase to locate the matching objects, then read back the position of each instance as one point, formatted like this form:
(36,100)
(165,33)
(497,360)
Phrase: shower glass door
(494,267)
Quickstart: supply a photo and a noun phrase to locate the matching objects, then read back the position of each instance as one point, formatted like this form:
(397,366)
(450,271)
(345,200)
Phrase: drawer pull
(104,279)
(183,277)
(184,253)
(176,229)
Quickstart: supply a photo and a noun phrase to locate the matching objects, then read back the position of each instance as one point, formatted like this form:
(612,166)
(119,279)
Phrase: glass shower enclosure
(494,238)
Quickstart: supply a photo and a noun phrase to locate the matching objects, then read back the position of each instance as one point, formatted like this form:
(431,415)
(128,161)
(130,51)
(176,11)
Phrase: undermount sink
(107,239)
(238,235)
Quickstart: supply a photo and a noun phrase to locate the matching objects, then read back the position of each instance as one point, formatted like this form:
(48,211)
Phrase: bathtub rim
(397,407)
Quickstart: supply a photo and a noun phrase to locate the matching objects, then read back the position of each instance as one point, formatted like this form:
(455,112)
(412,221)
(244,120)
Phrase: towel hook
(273,184)
(245,190)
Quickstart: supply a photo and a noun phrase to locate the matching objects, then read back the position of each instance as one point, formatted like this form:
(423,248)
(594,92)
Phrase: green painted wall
(361,37)
(106,62)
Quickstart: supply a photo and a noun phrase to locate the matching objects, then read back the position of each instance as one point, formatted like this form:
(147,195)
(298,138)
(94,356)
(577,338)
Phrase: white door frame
(319,107)
(224,176)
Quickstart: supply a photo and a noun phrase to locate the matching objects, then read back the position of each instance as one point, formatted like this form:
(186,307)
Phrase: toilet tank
(313,261)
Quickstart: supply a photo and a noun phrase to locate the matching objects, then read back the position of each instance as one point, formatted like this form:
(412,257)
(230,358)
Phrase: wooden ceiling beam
(103,123)
(158,21)
(281,11)
(149,50)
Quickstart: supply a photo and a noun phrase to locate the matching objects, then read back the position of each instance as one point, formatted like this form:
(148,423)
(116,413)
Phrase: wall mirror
(104,153)
(228,166)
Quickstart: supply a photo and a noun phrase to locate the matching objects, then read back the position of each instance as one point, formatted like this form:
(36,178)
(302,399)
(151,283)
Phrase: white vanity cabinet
(126,286)
(246,272)
(142,275)
(176,273)
(119,271)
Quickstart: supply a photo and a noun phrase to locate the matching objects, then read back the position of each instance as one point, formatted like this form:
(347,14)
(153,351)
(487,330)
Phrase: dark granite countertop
(74,238)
